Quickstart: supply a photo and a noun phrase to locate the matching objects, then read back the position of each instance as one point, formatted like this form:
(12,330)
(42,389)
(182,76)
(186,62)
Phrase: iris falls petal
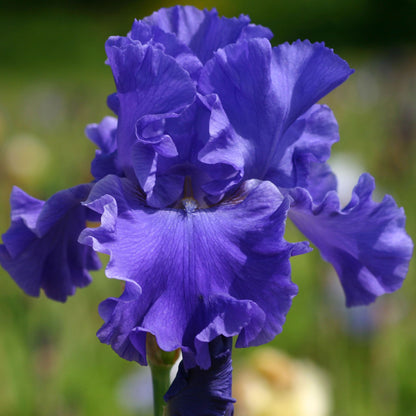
(366,241)
(41,250)
(201,273)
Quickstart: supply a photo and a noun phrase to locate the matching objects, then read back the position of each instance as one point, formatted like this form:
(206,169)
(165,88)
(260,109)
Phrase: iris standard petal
(219,152)
(153,155)
(198,392)
(306,72)
(148,82)
(202,272)
(40,248)
(306,143)
(151,34)
(168,150)
(203,31)
(366,241)
(263,90)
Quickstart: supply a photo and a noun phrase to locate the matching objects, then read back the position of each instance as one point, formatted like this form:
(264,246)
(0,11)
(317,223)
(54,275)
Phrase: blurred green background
(53,82)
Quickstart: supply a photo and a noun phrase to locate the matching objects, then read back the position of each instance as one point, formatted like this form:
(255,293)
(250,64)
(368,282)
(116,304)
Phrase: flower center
(189,204)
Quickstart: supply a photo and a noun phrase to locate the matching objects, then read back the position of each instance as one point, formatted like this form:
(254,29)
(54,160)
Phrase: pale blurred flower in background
(347,168)
(271,383)
(25,158)
(135,391)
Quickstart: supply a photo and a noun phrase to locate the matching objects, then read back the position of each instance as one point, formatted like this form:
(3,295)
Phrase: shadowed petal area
(41,248)
(305,145)
(199,392)
(203,31)
(148,83)
(120,317)
(104,136)
(263,90)
(366,241)
(206,272)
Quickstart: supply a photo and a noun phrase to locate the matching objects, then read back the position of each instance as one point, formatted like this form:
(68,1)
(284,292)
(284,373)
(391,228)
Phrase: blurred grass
(53,82)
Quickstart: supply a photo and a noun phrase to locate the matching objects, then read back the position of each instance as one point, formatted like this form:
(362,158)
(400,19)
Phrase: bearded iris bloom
(218,139)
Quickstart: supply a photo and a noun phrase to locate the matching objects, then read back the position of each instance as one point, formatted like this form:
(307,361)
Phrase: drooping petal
(198,392)
(120,317)
(148,82)
(366,241)
(264,90)
(207,272)
(40,248)
(203,31)
(104,136)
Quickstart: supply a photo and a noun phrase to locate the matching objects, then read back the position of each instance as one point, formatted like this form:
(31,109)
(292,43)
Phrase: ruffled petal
(150,34)
(153,156)
(161,186)
(104,136)
(167,151)
(302,74)
(264,90)
(220,151)
(366,241)
(198,392)
(208,272)
(306,144)
(40,248)
(148,83)
(120,317)
(203,31)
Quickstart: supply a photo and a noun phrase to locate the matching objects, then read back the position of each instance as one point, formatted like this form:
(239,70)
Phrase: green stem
(160,363)
(161,383)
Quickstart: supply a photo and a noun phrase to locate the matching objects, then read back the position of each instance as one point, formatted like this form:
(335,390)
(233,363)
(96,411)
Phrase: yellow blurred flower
(272,384)
(25,158)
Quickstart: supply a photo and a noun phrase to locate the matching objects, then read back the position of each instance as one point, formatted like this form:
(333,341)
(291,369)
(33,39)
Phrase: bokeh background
(53,82)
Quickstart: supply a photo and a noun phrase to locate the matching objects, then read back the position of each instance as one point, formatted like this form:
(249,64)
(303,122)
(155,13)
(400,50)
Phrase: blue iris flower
(218,139)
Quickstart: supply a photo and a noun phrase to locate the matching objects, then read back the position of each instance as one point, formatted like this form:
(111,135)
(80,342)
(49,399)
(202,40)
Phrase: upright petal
(225,151)
(148,82)
(150,34)
(264,90)
(366,241)
(198,392)
(153,155)
(40,248)
(203,31)
(305,144)
(302,74)
(208,272)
